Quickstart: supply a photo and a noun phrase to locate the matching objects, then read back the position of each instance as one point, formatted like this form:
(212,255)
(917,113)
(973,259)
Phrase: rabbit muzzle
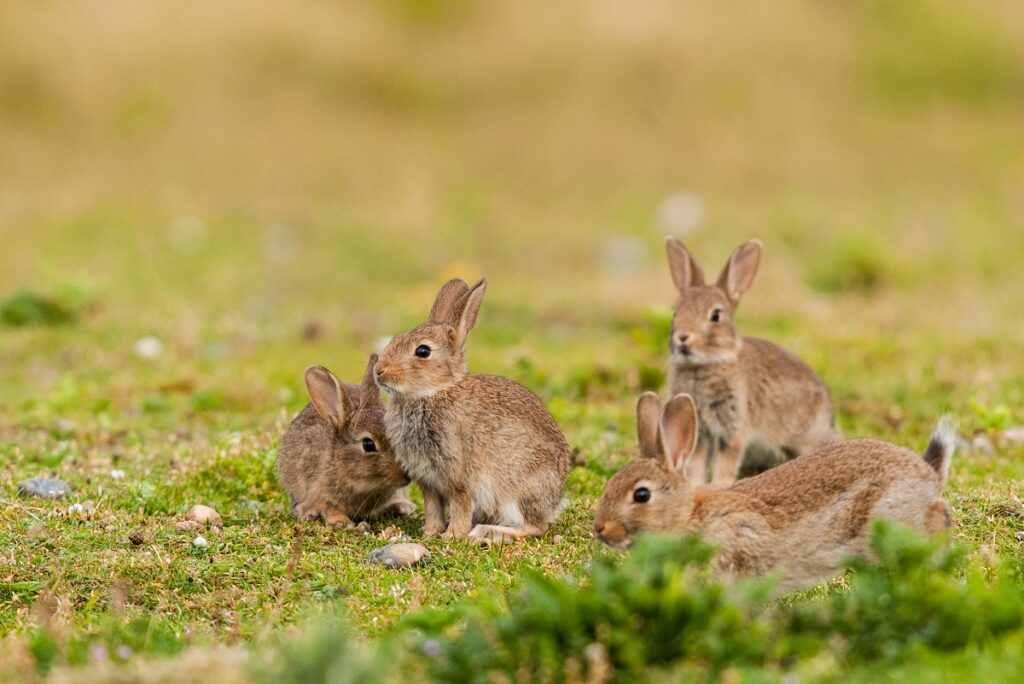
(382,373)
(612,533)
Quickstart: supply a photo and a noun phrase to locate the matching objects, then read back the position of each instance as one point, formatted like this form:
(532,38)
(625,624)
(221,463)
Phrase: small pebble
(1019,535)
(623,255)
(188,526)
(557,539)
(1014,435)
(148,347)
(136,538)
(48,488)
(76,508)
(981,443)
(200,542)
(117,474)
(204,515)
(65,426)
(363,528)
(399,555)
(681,213)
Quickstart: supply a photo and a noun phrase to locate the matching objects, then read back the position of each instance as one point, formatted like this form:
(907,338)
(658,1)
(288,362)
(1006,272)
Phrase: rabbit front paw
(404,508)
(433,529)
(495,534)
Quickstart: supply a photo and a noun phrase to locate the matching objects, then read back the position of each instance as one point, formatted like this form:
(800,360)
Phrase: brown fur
(322,464)
(747,391)
(800,519)
(481,444)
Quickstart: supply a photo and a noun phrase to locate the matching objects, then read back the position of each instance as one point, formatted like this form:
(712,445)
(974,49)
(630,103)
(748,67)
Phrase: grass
(287,189)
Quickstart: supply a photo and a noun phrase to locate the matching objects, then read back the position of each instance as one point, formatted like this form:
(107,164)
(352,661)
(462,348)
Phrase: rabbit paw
(495,534)
(404,508)
(340,522)
(432,530)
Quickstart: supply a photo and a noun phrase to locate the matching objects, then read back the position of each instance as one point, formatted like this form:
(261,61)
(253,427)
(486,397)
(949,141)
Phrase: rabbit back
(810,514)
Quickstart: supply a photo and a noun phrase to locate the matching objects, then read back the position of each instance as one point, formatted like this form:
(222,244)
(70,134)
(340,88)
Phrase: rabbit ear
(648,413)
(447,297)
(467,308)
(368,390)
(685,271)
(679,431)
(327,395)
(738,274)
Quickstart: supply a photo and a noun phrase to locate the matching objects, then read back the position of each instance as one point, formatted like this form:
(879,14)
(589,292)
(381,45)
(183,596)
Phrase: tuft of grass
(25,307)
(855,263)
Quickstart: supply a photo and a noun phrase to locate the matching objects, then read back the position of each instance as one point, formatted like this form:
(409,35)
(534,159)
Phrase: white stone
(681,213)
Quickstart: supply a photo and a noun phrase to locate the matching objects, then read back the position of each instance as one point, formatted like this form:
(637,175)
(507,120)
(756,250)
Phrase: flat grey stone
(46,487)
(399,555)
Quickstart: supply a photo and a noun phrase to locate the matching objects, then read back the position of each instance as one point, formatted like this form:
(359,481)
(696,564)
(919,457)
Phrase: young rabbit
(481,443)
(801,518)
(335,461)
(748,391)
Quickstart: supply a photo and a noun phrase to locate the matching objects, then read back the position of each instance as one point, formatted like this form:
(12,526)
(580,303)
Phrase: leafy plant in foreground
(655,608)
(658,613)
(911,595)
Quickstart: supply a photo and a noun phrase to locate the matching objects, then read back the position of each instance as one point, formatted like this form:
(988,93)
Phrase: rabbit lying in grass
(335,461)
(483,444)
(800,519)
(746,390)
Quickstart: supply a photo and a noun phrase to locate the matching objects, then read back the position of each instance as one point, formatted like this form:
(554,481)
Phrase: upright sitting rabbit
(335,461)
(747,391)
(800,519)
(483,444)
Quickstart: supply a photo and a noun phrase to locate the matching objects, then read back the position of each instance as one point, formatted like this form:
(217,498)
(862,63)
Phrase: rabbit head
(651,494)
(431,357)
(357,416)
(703,329)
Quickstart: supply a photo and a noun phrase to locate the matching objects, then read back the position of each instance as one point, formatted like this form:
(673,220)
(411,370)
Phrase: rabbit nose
(598,527)
(681,339)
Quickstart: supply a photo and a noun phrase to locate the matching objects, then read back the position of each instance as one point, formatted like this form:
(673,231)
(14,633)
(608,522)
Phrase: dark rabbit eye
(422,351)
(368,445)
(642,495)
(716,315)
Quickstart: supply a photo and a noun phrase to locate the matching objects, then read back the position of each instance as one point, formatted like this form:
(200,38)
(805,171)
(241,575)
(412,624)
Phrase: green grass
(228,186)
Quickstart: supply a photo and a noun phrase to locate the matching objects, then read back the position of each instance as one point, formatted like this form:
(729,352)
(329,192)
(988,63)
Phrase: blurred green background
(242,168)
(198,199)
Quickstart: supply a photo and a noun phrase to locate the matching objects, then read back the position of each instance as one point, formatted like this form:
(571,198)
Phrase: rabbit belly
(494,507)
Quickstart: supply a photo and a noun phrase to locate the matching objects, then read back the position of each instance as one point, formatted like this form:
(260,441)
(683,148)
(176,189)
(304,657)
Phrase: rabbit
(748,392)
(335,461)
(483,444)
(800,519)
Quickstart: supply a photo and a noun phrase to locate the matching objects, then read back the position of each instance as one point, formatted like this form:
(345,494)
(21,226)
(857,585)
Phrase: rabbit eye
(422,352)
(368,445)
(642,495)
(716,315)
